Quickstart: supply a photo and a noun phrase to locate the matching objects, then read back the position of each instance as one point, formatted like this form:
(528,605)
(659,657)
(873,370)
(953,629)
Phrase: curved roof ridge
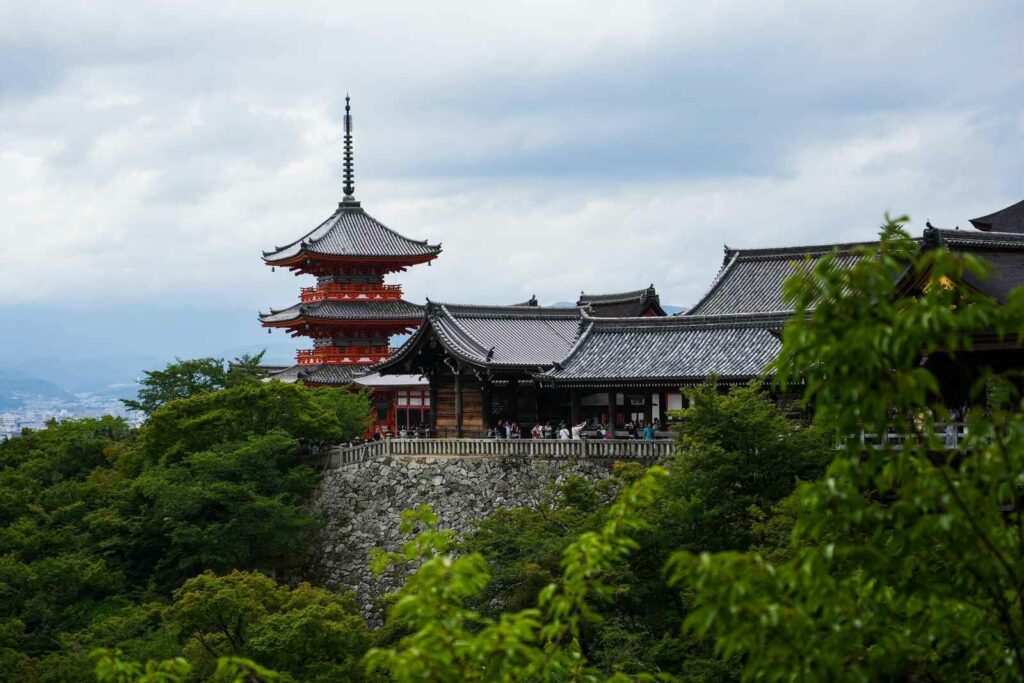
(1009,220)
(402,351)
(463,331)
(352,232)
(714,285)
(302,239)
(781,252)
(580,340)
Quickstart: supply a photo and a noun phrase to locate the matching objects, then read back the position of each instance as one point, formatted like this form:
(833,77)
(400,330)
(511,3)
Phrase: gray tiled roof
(350,231)
(622,304)
(337,374)
(750,280)
(332,374)
(1010,219)
(498,336)
(289,375)
(399,309)
(1003,251)
(375,379)
(669,350)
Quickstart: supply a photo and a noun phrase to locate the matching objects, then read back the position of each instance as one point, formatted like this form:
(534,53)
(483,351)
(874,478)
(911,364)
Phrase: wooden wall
(472,405)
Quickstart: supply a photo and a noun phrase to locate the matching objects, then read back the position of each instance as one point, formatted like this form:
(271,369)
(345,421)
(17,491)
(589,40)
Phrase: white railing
(548,449)
(952,433)
(337,456)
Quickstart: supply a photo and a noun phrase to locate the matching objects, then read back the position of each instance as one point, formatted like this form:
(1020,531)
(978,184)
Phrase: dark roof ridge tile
(616,297)
(798,251)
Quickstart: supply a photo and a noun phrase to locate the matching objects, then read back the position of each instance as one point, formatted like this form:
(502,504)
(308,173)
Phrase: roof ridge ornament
(349,187)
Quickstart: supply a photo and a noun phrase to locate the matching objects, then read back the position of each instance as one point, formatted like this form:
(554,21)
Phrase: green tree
(737,457)
(187,378)
(239,504)
(99,522)
(906,562)
(314,416)
(306,632)
(448,640)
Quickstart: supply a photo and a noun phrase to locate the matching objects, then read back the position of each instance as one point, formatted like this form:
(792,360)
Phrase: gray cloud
(148,152)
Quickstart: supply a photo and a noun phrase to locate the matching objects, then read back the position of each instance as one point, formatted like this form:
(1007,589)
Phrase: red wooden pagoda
(351,313)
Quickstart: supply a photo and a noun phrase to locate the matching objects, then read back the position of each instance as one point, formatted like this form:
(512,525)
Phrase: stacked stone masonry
(362,500)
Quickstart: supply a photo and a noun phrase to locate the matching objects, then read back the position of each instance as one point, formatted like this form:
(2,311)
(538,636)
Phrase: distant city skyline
(550,147)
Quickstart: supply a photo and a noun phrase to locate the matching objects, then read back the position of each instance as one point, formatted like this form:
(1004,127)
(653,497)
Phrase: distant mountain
(17,385)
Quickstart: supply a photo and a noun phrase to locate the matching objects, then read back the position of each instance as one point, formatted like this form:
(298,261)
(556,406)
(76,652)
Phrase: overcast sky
(149,152)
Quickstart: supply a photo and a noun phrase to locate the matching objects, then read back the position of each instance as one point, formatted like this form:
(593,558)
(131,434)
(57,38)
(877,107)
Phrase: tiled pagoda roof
(398,309)
(351,233)
(672,350)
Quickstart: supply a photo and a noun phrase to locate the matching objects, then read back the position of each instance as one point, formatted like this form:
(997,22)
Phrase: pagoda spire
(350,184)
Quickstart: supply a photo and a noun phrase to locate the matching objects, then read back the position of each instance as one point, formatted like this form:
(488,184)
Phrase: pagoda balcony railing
(349,354)
(350,292)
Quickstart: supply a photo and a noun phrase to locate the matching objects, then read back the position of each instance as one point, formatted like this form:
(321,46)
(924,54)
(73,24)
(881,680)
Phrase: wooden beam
(458,401)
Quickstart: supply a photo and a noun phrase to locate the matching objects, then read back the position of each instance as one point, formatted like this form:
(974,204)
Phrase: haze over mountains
(57,352)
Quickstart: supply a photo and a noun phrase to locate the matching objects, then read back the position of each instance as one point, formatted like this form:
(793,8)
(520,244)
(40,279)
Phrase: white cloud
(150,151)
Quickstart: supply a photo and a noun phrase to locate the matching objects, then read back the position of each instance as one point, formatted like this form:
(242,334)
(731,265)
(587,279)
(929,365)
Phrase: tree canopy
(102,527)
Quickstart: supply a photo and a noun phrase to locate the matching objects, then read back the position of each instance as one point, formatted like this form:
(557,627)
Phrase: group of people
(504,430)
(412,432)
(510,430)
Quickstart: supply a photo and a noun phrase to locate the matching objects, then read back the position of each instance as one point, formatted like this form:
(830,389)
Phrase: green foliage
(188,378)
(236,505)
(307,632)
(738,457)
(905,563)
(100,523)
(112,668)
(450,641)
(253,409)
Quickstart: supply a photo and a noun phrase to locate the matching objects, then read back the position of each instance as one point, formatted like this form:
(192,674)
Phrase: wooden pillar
(433,405)
(485,399)
(574,406)
(513,387)
(612,410)
(458,402)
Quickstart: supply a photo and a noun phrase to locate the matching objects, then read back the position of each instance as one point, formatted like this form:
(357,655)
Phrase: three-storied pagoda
(351,313)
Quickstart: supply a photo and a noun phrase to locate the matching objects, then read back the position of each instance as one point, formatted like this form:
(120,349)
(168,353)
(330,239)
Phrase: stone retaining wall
(363,502)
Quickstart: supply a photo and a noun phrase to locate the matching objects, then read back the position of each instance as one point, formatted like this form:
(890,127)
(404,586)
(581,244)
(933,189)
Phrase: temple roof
(623,304)
(398,309)
(1010,220)
(350,232)
(671,350)
(750,280)
(496,336)
(1003,251)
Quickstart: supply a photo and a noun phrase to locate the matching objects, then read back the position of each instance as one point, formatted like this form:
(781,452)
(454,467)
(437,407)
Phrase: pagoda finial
(350,185)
